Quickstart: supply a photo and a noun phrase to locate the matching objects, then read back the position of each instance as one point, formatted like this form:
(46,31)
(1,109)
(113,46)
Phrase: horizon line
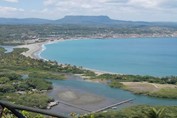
(23,18)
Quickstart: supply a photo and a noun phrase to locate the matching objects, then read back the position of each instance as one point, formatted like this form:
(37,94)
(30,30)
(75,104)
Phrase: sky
(132,10)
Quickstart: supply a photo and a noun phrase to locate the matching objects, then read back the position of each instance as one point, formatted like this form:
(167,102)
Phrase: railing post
(14,109)
(1,111)
(15,112)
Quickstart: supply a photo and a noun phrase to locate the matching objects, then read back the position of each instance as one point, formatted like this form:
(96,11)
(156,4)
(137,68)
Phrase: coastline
(33,49)
(39,47)
(36,49)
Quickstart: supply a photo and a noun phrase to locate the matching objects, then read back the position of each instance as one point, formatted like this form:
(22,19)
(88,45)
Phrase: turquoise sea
(144,56)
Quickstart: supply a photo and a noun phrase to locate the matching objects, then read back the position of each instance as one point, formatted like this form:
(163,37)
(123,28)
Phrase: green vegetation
(30,99)
(21,34)
(13,82)
(32,115)
(116,84)
(141,112)
(47,75)
(165,93)
(8,114)
(115,79)
(89,73)
(15,62)
(24,91)
(168,91)
(38,84)
(2,50)
(27,91)
(154,113)
(138,78)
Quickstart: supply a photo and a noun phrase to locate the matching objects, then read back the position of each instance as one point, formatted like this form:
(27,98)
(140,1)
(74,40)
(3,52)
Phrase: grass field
(152,89)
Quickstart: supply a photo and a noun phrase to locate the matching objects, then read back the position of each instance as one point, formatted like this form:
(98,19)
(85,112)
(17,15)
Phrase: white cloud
(11,1)
(143,3)
(146,10)
(155,4)
(10,11)
(49,2)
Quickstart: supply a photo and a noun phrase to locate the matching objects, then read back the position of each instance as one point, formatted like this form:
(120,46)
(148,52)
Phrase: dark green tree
(154,113)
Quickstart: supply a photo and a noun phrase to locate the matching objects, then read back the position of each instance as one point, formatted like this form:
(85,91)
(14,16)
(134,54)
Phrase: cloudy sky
(136,10)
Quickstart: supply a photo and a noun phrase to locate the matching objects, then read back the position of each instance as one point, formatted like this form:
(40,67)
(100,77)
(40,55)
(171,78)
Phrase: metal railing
(15,110)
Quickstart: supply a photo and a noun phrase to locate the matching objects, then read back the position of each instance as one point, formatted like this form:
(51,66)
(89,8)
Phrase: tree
(154,113)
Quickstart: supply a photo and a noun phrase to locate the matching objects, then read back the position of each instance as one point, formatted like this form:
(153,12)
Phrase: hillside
(86,20)
(24,21)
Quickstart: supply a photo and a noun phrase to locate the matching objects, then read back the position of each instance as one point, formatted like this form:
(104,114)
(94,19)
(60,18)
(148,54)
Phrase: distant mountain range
(85,20)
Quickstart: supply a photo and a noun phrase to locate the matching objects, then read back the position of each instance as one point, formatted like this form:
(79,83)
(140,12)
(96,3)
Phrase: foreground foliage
(141,112)
(8,114)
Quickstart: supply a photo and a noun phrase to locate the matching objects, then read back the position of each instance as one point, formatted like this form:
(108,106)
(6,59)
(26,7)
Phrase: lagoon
(112,93)
(109,95)
(142,56)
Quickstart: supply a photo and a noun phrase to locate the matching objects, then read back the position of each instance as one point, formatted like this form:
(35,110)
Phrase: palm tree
(154,113)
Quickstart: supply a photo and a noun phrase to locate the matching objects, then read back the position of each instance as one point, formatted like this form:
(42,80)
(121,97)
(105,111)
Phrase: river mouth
(78,101)
(90,96)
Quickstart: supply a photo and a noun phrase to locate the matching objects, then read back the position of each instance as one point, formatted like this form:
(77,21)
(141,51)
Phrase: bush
(39,84)
(7,88)
(4,80)
(116,84)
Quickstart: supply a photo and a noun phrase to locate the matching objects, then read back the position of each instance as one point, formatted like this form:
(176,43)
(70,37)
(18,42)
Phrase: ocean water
(143,56)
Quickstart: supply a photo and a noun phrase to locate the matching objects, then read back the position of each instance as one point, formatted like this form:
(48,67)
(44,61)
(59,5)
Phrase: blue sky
(135,10)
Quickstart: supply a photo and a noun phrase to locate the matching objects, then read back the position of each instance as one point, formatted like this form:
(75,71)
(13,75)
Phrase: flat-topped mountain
(85,20)
(65,20)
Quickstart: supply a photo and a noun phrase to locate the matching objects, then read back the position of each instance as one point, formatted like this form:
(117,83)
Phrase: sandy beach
(78,98)
(33,49)
(36,48)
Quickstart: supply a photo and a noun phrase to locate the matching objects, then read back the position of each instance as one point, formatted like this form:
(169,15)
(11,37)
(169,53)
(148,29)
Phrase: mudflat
(79,98)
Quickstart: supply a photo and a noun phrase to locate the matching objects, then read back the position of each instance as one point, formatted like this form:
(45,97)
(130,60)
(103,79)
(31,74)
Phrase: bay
(142,56)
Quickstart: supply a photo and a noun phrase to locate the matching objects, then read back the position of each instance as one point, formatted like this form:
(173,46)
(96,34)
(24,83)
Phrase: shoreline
(36,49)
